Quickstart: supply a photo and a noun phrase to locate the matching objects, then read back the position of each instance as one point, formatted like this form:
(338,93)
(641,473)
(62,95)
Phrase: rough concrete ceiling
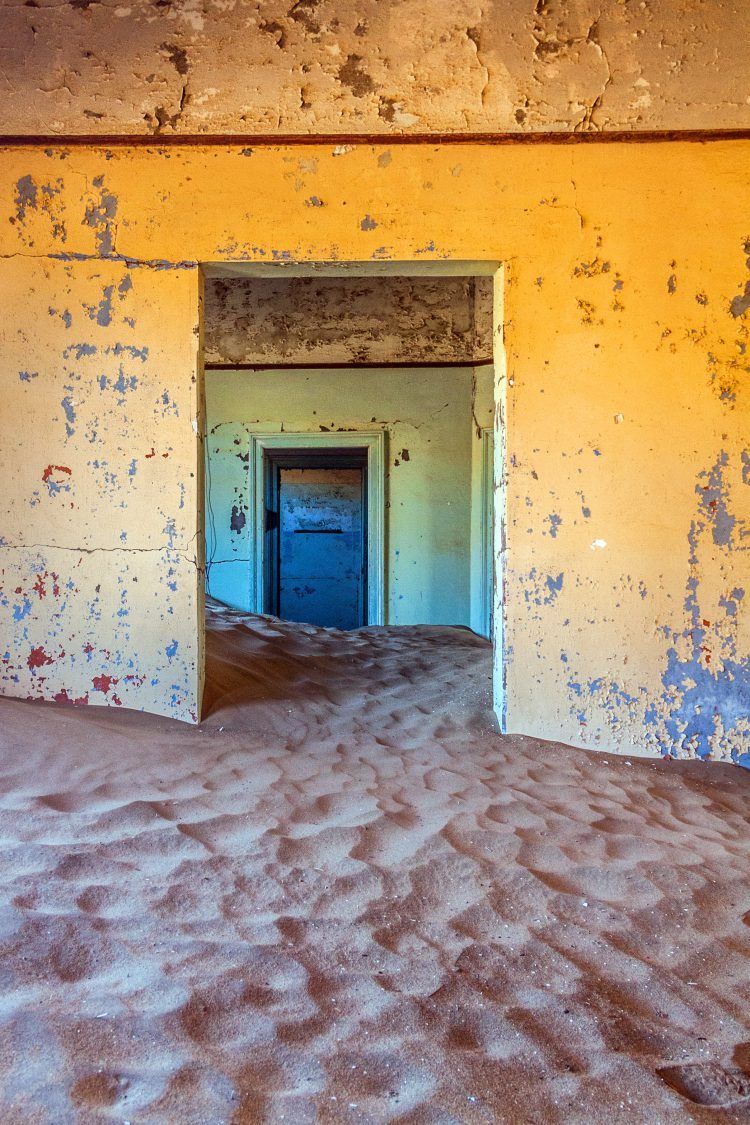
(310,320)
(380,66)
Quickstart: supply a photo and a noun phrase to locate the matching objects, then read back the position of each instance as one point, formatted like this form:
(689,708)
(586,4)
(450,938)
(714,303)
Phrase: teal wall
(430,474)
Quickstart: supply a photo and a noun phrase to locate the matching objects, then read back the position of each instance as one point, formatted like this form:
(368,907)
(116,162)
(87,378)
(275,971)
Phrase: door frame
(488,536)
(373,443)
(274,462)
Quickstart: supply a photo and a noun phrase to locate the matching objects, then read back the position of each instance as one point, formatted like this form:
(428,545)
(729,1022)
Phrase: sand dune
(345,898)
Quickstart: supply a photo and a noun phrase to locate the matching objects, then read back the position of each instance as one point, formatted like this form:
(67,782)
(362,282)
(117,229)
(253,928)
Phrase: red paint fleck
(37,657)
(63,697)
(151,454)
(103,683)
(88,648)
(55,468)
(39,586)
(116,700)
(706,622)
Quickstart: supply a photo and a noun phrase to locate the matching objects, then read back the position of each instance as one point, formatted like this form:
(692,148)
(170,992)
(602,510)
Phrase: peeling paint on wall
(88,578)
(622,398)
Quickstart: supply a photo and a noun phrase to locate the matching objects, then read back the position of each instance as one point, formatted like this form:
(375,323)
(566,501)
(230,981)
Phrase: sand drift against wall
(344,897)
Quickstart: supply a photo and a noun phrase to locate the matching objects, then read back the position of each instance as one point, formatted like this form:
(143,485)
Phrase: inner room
(349,450)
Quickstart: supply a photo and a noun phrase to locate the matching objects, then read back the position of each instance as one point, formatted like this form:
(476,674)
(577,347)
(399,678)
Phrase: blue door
(321,545)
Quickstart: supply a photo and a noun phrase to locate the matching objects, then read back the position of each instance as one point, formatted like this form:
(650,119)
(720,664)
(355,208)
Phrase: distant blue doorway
(315,541)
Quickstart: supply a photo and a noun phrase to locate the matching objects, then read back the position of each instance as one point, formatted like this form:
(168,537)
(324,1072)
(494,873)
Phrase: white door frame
(373,441)
(487,503)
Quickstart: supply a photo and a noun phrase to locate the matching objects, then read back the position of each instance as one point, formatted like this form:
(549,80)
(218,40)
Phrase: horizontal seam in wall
(157,141)
(159,264)
(344,366)
(95,550)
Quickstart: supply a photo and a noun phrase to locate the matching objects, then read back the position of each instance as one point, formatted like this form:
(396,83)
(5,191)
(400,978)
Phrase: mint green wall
(427,415)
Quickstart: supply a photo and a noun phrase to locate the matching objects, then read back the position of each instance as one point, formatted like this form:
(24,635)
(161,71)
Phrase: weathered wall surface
(347,320)
(626,328)
(375,67)
(427,416)
(100,594)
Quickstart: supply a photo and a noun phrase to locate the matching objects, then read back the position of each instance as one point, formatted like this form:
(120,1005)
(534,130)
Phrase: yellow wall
(628,492)
(99,547)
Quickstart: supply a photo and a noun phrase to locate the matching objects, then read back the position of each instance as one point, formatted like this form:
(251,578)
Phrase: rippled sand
(346,898)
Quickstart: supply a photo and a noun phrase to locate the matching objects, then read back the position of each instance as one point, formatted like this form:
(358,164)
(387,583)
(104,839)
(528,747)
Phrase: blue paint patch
(70,414)
(554,585)
(104,311)
(170,407)
(79,350)
(700,699)
(704,698)
(729,602)
(27,376)
(171,649)
(538,591)
(706,684)
(122,384)
(21,611)
(26,196)
(125,382)
(170,530)
(713,502)
(136,353)
(554,524)
(65,317)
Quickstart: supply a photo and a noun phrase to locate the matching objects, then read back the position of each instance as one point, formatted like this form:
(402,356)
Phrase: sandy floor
(345,898)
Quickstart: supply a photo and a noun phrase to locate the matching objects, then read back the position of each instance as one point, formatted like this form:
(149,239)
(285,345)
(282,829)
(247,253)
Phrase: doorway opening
(315,536)
(355,444)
